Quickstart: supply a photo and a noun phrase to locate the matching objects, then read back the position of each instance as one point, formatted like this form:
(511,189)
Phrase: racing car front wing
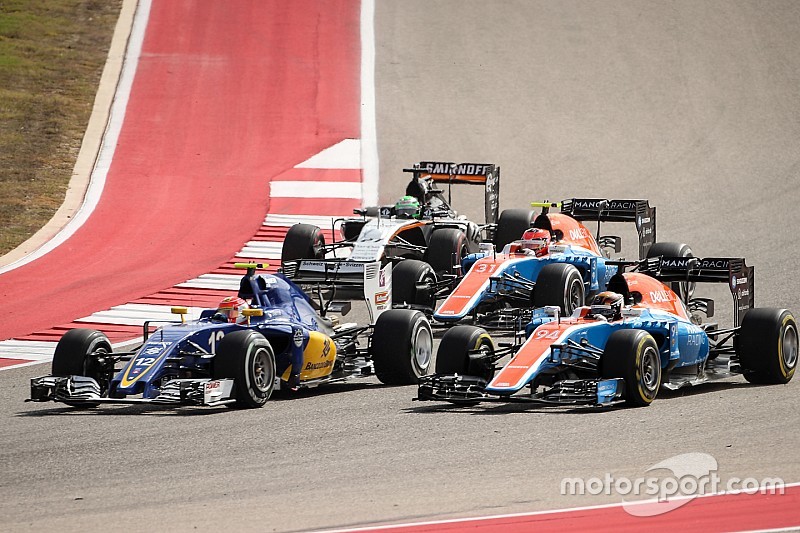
(85,390)
(463,389)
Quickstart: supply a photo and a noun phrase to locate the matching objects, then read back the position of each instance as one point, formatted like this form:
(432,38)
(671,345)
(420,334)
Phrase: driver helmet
(231,308)
(537,240)
(407,206)
(608,304)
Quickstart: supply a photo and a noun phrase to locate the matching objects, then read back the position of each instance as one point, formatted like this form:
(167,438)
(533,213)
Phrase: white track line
(370,164)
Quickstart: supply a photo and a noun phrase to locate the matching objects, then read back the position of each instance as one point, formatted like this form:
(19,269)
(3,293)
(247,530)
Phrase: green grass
(52,54)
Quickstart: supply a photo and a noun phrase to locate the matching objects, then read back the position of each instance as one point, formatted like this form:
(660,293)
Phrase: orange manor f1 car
(636,337)
(268,336)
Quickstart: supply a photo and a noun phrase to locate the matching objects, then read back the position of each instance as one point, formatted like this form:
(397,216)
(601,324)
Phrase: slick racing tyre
(407,275)
(247,357)
(303,241)
(632,354)
(559,284)
(402,347)
(683,289)
(84,352)
(453,356)
(511,225)
(767,346)
(446,249)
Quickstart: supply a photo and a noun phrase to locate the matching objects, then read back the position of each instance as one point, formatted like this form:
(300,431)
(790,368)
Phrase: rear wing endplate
(367,278)
(732,270)
(640,212)
(485,174)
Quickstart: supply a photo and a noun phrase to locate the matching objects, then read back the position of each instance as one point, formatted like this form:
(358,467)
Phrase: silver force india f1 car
(420,239)
(637,337)
(269,336)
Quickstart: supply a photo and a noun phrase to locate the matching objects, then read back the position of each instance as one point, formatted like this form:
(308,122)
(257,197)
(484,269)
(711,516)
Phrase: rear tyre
(84,352)
(402,347)
(446,249)
(406,275)
(511,225)
(453,354)
(559,284)
(683,289)
(303,241)
(247,357)
(768,345)
(632,354)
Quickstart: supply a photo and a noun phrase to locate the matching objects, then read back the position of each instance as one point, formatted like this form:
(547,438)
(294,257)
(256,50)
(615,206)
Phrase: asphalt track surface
(692,105)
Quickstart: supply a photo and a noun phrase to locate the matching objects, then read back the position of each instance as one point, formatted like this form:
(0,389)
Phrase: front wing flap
(457,388)
(81,389)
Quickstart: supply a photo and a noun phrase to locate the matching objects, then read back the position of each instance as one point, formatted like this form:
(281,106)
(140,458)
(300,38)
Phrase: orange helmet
(536,239)
(608,304)
(232,308)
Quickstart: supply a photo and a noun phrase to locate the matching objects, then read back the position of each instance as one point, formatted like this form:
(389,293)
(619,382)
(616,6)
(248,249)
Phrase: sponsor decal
(463,169)
(661,296)
(613,205)
(318,366)
(382,278)
(381,298)
(212,385)
(298,337)
(326,348)
(578,234)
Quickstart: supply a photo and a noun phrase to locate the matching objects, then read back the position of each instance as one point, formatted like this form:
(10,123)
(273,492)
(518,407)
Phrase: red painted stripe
(728,512)
(5,361)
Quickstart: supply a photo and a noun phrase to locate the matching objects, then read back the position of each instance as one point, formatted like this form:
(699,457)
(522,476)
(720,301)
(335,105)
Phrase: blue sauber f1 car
(269,336)
(557,262)
(626,351)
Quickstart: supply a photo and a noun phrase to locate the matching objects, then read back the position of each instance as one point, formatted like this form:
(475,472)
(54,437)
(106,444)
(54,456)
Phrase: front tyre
(446,249)
(767,346)
(247,358)
(453,356)
(632,354)
(303,241)
(402,347)
(559,284)
(84,352)
(407,275)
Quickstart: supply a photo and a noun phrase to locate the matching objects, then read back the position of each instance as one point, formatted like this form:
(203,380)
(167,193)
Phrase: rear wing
(485,174)
(640,212)
(365,278)
(730,270)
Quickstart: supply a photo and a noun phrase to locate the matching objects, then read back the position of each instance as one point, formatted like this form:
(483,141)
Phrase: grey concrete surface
(693,105)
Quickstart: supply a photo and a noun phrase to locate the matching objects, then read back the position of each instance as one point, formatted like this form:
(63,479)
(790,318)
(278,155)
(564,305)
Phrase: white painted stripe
(213,281)
(345,154)
(314,189)
(138,314)
(267,249)
(323,221)
(28,350)
(116,118)
(369,138)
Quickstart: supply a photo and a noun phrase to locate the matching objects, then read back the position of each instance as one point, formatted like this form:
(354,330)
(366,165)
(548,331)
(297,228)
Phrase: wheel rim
(574,296)
(262,371)
(789,347)
(650,368)
(423,349)
(93,369)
